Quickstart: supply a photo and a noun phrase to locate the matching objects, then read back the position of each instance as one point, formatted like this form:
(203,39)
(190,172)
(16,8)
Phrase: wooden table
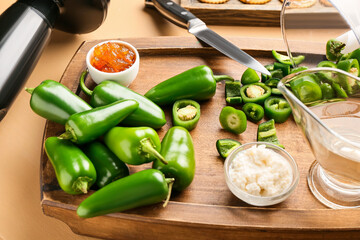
(21,131)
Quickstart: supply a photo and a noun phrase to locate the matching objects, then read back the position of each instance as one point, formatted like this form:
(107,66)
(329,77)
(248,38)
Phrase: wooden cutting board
(206,209)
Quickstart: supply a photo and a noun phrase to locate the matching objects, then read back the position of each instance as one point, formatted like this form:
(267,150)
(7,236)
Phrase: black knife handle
(173,12)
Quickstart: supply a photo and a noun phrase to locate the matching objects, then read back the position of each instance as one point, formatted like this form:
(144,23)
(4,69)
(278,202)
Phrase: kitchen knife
(198,28)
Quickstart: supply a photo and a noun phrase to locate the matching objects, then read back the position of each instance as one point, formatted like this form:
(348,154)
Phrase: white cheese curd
(261,172)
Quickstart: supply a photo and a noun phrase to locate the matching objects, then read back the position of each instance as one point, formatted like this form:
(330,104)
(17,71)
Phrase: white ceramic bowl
(124,77)
(259,200)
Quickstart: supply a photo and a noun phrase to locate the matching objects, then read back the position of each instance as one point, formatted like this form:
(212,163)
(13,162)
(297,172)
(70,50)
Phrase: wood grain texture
(234,12)
(206,209)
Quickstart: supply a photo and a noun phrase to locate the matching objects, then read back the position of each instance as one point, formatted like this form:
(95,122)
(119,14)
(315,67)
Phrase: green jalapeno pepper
(134,145)
(275,91)
(232,92)
(351,66)
(108,166)
(226,146)
(186,113)
(306,88)
(254,112)
(74,171)
(339,91)
(148,114)
(272,82)
(327,91)
(233,120)
(286,60)
(353,55)
(333,50)
(87,126)
(178,150)
(277,108)
(298,69)
(285,68)
(197,83)
(55,102)
(327,64)
(255,93)
(277,73)
(267,133)
(249,76)
(139,189)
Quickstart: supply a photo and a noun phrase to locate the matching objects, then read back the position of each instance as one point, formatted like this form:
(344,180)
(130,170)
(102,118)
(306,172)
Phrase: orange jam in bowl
(112,57)
(113,60)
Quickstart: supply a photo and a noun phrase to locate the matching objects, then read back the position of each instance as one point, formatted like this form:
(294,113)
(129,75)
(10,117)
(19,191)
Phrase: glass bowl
(261,200)
(124,77)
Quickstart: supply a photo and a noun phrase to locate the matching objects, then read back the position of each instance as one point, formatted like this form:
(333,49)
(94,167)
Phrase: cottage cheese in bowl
(261,174)
(260,171)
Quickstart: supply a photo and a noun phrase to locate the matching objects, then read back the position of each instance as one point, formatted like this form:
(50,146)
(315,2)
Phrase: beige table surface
(21,131)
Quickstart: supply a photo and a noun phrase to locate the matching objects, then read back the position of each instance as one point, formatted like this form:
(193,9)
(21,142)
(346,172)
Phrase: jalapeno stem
(148,148)
(29,90)
(219,78)
(82,83)
(81,184)
(68,135)
(170,182)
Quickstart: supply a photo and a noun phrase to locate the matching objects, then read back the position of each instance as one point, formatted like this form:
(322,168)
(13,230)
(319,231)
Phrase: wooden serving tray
(206,209)
(234,12)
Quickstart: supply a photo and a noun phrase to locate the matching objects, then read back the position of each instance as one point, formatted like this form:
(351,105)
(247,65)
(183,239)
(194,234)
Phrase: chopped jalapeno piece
(286,60)
(186,113)
(267,133)
(333,50)
(327,64)
(283,67)
(254,112)
(233,120)
(226,146)
(327,91)
(255,93)
(351,66)
(249,76)
(298,69)
(306,88)
(232,92)
(277,108)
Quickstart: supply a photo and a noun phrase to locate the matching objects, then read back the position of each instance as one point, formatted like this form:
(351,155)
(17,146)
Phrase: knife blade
(198,28)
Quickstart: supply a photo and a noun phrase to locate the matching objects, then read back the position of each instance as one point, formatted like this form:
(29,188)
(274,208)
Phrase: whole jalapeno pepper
(255,93)
(55,102)
(108,166)
(178,150)
(198,83)
(134,145)
(277,108)
(186,113)
(87,126)
(139,189)
(254,112)
(148,114)
(74,171)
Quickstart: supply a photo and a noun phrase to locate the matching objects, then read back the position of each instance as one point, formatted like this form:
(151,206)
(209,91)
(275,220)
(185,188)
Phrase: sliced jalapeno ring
(255,93)
(277,108)
(186,113)
(254,112)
